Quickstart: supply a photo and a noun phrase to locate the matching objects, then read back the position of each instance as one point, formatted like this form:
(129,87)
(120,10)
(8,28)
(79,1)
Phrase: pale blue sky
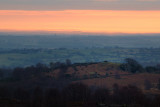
(80,4)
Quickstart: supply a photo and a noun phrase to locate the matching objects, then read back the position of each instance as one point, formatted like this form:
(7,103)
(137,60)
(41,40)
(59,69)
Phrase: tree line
(78,94)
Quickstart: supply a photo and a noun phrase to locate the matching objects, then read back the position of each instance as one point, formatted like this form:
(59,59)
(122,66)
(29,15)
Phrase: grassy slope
(101,69)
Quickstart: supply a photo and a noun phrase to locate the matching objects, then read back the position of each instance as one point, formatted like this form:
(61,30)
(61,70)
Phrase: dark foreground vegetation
(33,87)
(78,95)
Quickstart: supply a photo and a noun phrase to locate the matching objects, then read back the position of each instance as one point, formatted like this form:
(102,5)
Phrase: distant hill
(102,74)
(105,74)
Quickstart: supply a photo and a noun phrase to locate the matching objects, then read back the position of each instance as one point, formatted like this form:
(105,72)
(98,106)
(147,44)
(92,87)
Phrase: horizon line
(47,32)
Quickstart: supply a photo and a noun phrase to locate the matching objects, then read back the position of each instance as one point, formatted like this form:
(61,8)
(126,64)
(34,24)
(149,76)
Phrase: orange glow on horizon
(94,21)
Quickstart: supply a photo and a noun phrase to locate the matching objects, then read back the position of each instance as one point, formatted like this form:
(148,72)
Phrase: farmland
(26,57)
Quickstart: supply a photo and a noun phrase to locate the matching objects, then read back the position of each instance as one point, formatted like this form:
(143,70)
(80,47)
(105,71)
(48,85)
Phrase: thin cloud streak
(79,4)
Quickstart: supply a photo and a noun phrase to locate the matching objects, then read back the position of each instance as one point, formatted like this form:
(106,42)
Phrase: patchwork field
(26,57)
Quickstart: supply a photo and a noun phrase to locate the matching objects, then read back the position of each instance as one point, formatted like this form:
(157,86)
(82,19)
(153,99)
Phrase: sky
(94,16)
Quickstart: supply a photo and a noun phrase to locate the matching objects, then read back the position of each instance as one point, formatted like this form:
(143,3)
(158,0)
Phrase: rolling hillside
(106,74)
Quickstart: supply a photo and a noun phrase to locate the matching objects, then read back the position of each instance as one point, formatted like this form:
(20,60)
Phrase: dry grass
(102,68)
(135,79)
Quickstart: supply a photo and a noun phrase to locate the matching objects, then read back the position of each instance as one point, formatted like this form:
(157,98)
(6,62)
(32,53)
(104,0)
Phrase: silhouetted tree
(21,94)
(57,64)
(68,62)
(18,73)
(41,67)
(52,65)
(77,92)
(63,70)
(156,102)
(31,72)
(150,69)
(131,65)
(102,95)
(158,66)
(52,98)
(1,73)
(37,97)
(4,92)
(129,95)
(116,93)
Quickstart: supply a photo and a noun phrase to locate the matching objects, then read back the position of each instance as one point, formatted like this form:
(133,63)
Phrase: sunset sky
(93,16)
